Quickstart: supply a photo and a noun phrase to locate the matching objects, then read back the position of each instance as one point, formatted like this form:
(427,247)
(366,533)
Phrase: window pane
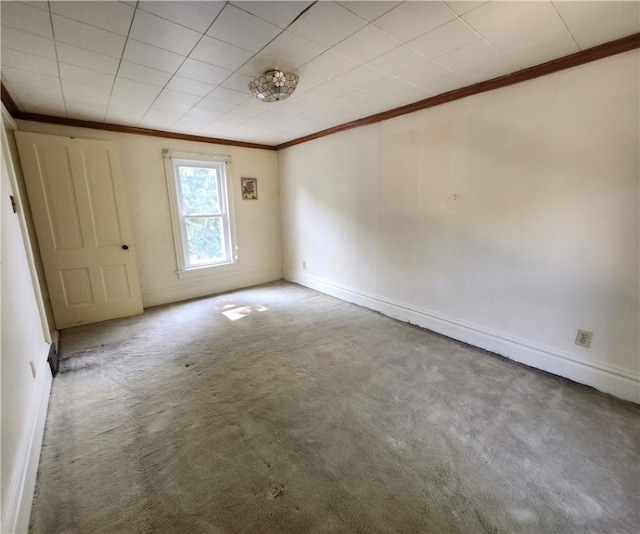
(199,187)
(205,238)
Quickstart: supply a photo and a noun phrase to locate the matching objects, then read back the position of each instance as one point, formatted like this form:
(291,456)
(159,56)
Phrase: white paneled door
(78,202)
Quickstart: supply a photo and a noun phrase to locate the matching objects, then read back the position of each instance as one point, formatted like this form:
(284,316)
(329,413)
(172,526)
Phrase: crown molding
(138,131)
(7,118)
(8,102)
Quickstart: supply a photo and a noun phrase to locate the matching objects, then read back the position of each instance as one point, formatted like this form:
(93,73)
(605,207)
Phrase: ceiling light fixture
(274,85)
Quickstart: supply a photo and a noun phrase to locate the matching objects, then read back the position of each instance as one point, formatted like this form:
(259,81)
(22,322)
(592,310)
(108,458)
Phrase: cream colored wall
(257,221)
(508,219)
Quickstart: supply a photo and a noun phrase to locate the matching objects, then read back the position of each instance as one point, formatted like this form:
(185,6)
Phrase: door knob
(125,247)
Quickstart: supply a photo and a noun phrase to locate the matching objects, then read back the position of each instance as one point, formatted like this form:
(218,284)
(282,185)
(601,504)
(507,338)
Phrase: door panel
(78,203)
(104,209)
(115,282)
(59,197)
(76,287)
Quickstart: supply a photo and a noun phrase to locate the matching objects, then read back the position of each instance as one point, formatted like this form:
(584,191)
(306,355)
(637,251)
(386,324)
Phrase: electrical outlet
(583,338)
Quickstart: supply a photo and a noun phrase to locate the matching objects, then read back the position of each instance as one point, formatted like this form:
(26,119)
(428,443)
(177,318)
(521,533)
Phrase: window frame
(222,163)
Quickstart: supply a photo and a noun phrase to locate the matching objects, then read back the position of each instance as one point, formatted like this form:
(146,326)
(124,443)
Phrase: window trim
(172,158)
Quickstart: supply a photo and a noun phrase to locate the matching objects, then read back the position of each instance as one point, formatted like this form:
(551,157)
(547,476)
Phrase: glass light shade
(274,85)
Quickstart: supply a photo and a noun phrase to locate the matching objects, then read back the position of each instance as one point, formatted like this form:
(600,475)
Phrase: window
(200,208)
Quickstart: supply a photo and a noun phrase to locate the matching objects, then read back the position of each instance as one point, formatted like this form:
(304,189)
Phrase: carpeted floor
(279,409)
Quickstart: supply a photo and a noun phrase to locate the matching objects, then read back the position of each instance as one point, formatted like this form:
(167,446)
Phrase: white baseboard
(622,383)
(209,285)
(17,502)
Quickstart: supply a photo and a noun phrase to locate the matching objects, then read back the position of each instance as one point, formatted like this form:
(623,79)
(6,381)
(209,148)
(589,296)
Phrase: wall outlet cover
(583,338)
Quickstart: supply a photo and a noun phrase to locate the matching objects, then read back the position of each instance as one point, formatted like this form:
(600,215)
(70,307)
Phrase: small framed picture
(249,189)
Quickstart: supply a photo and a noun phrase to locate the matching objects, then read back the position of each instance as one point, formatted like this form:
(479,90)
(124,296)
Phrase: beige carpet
(279,409)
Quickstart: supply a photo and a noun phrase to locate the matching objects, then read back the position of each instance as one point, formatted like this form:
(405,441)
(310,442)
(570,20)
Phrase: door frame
(41,290)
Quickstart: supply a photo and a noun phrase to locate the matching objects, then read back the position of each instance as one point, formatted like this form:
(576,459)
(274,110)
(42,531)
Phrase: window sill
(207,270)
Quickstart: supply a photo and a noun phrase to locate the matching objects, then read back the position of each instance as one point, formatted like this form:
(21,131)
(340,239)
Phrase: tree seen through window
(200,197)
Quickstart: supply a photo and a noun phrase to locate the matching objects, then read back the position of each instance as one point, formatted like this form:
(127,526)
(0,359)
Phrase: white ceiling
(183,66)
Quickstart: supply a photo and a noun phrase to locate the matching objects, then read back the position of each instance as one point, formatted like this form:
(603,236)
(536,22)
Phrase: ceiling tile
(189,86)
(594,23)
(246,112)
(87,113)
(297,121)
(27,18)
(397,90)
(195,15)
(423,74)
(527,32)
(78,94)
(445,83)
(446,38)
(361,76)
(209,104)
(336,89)
(28,62)
(158,120)
(140,73)
(326,23)
(238,82)
(50,94)
(170,101)
(464,6)
(291,49)
(227,95)
(28,42)
(86,76)
(313,97)
(43,108)
(397,60)
(477,62)
(216,130)
(126,117)
(36,3)
(411,19)
(221,54)
(368,43)
(87,37)
(369,10)
(86,58)
(242,29)
(262,126)
(280,13)
(324,68)
(231,121)
(151,56)
(202,113)
(130,95)
(203,72)
(316,115)
(28,78)
(284,110)
(162,33)
(357,98)
(111,16)
(189,124)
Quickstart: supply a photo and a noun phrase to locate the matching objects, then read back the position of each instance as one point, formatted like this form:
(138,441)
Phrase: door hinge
(13,204)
